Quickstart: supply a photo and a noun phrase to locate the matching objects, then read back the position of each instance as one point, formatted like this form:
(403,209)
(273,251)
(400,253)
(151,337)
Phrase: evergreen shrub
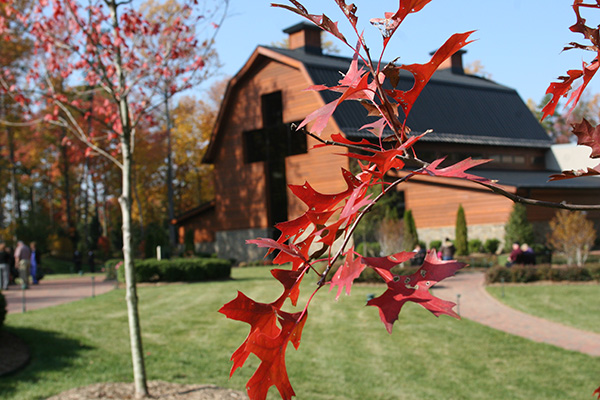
(179,270)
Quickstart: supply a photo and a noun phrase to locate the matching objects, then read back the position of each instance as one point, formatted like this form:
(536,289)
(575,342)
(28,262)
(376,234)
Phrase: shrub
(369,249)
(524,274)
(110,267)
(2,309)
(411,237)
(461,242)
(179,270)
(491,246)
(435,244)
(495,274)
(475,246)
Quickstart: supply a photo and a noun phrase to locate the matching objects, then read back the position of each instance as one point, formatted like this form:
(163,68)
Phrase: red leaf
(597,393)
(303,247)
(391,22)
(587,135)
(267,341)
(387,263)
(318,202)
(456,170)
(273,245)
(415,288)
(271,351)
(576,173)
(384,160)
(423,72)
(558,90)
(347,273)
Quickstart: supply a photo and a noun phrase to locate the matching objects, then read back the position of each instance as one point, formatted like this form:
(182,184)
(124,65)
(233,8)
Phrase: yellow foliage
(573,235)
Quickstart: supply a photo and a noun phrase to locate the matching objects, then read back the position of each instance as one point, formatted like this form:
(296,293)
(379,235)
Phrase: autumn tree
(101,47)
(573,235)
(170,81)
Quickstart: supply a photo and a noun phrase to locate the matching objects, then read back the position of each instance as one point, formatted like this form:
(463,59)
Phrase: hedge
(525,274)
(175,270)
(2,309)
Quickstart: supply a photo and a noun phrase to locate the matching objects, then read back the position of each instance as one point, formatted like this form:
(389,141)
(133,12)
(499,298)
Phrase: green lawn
(574,305)
(345,353)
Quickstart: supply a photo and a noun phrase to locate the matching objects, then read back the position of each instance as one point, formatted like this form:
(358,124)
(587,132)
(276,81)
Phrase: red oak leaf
(347,273)
(384,160)
(392,21)
(588,135)
(423,72)
(454,171)
(387,263)
(597,393)
(271,244)
(323,202)
(415,288)
(271,351)
(263,318)
(558,90)
(576,173)
(297,262)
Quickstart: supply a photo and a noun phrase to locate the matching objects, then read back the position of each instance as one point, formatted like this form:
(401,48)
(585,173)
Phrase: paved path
(53,292)
(477,305)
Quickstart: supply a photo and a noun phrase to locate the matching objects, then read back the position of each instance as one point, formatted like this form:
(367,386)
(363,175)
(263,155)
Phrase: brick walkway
(53,292)
(477,305)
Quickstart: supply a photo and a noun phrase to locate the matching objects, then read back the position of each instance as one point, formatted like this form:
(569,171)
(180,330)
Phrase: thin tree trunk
(170,194)
(15,209)
(131,298)
(135,332)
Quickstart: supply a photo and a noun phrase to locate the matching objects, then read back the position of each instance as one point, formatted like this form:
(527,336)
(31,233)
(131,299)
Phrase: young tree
(518,228)
(411,236)
(572,234)
(271,328)
(105,48)
(461,242)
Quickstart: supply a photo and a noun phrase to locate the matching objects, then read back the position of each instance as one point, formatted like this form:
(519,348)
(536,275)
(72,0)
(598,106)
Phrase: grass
(345,352)
(574,305)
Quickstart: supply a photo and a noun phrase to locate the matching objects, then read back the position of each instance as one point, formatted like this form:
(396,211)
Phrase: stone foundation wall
(481,232)
(232,244)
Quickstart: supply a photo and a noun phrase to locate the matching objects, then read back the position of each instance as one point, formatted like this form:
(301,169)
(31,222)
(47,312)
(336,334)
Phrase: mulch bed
(14,353)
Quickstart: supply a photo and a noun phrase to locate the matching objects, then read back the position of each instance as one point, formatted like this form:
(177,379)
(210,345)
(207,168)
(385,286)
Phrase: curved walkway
(476,304)
(53,292)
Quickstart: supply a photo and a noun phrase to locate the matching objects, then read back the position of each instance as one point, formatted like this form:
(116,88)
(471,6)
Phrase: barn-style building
(256,155)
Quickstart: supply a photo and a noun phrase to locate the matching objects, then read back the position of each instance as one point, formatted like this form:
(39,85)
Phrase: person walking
(11,264)
(36,264)
(4,267)
(23,262)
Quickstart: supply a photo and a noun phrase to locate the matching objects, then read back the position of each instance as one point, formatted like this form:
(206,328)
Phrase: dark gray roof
(459,108)
(537,179)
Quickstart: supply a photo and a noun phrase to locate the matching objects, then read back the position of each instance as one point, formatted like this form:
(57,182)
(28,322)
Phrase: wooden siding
(434,202)
(572,196)
(241,188)
(202,225)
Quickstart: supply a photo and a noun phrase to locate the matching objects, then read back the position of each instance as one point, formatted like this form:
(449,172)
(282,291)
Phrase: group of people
(521,254)
(25,263)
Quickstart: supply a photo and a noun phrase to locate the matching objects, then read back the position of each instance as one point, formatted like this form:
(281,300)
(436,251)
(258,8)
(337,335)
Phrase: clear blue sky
(519,42)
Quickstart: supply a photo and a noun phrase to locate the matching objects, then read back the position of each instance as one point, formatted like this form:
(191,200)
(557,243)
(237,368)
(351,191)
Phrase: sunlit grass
(345,353)
(575,305)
